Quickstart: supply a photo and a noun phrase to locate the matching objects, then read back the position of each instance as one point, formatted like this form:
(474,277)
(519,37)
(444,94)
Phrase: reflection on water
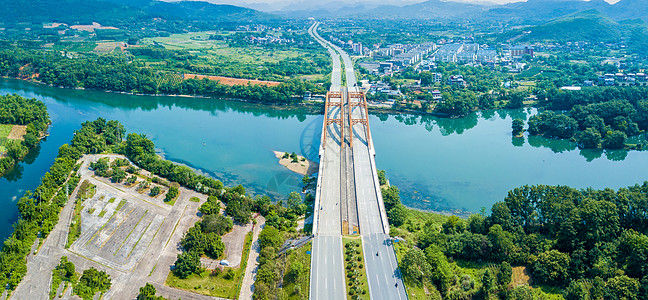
(441,164)
(464,164)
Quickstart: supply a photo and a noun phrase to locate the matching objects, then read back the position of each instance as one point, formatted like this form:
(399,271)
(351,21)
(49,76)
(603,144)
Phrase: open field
(4,133)
(232,81)
(198,43)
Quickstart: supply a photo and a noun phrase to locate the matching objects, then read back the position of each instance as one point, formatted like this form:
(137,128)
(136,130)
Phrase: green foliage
(171,194)
(187,263)
(623,287)
(118,175)
(517,127)
(415,267)
(156,190)
(200,242)
(91,282)
(216,223)
(397,215)
(391,197)
(553,125)
(614,140)
(270,237)
(147,292)
(211,206)
(382,177)
(589,138)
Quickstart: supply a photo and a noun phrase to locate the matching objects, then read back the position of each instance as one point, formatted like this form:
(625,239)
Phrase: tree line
(39,209)
(597,125)
(119,74)
(17,110)
(591,244)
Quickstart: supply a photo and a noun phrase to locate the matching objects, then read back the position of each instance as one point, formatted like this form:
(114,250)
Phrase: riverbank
(310,106)
(298,164)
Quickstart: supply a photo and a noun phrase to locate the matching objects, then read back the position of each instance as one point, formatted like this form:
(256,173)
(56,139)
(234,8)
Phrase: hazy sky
(276,4)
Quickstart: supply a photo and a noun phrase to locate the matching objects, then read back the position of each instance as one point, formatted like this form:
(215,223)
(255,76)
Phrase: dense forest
(591,244)
(118,74)
(17,110)
(600,117)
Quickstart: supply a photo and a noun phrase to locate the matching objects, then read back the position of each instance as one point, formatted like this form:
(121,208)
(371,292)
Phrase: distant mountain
(431,9)
(109,12)
(542,10)
(591,25)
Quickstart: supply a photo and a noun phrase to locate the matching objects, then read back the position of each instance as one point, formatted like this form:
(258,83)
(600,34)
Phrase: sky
(278,4)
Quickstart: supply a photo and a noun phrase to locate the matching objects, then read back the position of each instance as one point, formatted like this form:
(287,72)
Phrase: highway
(348,178)
(327,265)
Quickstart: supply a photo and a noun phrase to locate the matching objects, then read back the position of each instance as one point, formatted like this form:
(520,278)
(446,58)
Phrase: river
(447,165)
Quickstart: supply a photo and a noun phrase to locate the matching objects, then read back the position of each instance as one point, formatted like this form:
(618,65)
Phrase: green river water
(447,165)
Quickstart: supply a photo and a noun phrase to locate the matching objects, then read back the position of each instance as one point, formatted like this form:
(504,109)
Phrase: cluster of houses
(396,57)
(620,79)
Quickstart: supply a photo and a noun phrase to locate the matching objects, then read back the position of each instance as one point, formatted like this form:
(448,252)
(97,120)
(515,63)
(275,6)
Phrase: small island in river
(296,163)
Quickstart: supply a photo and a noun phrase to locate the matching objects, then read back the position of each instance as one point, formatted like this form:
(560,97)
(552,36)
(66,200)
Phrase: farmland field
(4,133)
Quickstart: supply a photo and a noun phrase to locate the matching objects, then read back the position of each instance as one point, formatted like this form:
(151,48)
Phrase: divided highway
(342,168)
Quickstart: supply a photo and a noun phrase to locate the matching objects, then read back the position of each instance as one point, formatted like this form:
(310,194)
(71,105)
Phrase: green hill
(590,25)
(120,12)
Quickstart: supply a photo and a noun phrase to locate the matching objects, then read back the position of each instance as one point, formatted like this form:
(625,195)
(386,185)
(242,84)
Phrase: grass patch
(102,213)
(120,205)
(91,210)
(5,130)
(75,225)
(415,223)
(4,133)
(112,200)
(354,269)
(296,285)
(194,199)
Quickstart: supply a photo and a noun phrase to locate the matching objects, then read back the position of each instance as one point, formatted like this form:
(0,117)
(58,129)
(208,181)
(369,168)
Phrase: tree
(623,287)
(520,293)
(488,282)
(91,282)
(216,223)
(588,138)
(382,178)
(397,215)
(518,127)
(270,237)
(614,140)
(147,292)
(391,197)
(551,267)
(415,267)
(171,194)
(294,204)
(155,191)
(186,264)
(577,290)
(118,175)
(505,275)
(31,140)
(453,225)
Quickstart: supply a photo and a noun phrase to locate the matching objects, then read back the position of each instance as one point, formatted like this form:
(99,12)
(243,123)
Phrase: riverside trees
(591,242)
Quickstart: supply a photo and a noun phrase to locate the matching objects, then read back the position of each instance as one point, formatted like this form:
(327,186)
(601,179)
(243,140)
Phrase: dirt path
(247,286)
